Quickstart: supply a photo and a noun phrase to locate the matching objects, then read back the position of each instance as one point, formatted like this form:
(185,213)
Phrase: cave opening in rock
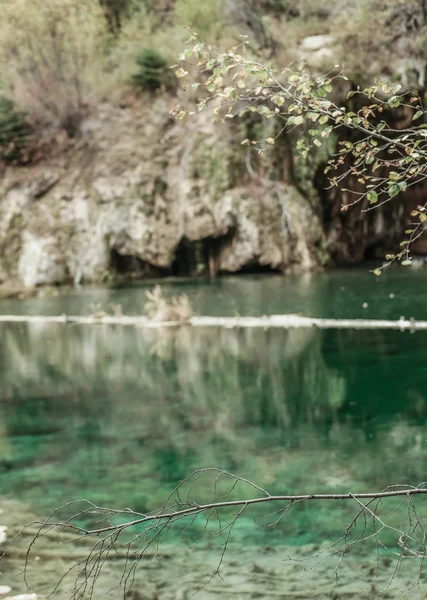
(200,257)
(255,268)
(130,266)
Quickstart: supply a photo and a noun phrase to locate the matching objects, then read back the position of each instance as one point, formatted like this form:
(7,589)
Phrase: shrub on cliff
(53,50)
(154,71)
(14,131)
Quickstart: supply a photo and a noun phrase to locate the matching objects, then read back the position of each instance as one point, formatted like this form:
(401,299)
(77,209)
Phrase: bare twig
(232,496)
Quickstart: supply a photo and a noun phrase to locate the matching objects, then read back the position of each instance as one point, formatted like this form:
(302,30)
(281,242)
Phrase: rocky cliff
(141,194)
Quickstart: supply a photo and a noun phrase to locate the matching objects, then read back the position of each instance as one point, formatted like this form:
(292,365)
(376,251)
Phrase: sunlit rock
(39,262)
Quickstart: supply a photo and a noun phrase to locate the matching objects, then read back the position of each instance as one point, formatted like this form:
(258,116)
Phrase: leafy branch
(384,160)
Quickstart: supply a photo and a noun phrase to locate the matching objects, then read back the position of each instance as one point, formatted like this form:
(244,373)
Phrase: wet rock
(256,568)
(20,292)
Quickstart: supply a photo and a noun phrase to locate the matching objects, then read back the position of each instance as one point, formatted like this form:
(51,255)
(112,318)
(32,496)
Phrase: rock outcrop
(142,193)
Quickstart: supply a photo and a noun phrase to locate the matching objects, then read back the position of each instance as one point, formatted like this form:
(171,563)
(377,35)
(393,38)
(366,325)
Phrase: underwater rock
(4,589)
(3,536)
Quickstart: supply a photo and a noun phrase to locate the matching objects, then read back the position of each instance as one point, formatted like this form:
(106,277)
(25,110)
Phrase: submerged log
(288,321)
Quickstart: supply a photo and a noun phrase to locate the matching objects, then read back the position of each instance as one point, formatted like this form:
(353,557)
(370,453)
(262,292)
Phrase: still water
(87,411)
(120,415)
(335,294)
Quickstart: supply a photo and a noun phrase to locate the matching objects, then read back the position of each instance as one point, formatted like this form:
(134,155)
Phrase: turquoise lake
(120,415)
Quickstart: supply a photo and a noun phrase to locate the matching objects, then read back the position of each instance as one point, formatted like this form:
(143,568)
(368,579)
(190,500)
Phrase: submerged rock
(4,589)
(3,536)
(23,597)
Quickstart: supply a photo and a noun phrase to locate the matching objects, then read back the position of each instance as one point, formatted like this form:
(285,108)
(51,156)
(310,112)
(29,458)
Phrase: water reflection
(120,414)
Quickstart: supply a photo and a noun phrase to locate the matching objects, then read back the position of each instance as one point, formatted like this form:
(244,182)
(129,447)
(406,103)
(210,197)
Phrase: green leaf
(278,100)
(372,197)
(270,140)
(390,256)
(299,120)
(323,119)
(418,114)
(394,102)
(406,263)
(393,190)
(377,272)
(380,126)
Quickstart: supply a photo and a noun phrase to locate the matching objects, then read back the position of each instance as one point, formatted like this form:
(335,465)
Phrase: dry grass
(159,308)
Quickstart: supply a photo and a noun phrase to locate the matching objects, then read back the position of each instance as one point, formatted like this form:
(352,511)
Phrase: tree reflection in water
(89,411)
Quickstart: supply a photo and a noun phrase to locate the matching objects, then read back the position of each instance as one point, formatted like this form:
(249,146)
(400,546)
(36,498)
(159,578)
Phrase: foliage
(209,18)
(383,160)
(372,31)
(154,71)
(114,11)
(53,50)
(159,308)
(14,131)
(300,8)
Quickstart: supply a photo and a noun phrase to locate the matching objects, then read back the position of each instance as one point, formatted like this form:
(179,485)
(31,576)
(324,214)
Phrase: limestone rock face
(138,189)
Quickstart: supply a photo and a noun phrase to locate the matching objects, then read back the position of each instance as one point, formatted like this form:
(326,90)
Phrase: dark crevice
(200,257)
(132,267)
(254,268)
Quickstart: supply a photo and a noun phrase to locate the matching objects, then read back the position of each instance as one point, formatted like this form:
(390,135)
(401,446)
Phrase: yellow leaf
(181,73)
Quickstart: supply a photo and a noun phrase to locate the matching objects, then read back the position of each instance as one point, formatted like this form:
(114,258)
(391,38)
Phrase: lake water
(120,415)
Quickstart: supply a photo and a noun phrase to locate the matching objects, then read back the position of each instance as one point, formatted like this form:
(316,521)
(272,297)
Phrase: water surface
(352,293)
(120,415)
